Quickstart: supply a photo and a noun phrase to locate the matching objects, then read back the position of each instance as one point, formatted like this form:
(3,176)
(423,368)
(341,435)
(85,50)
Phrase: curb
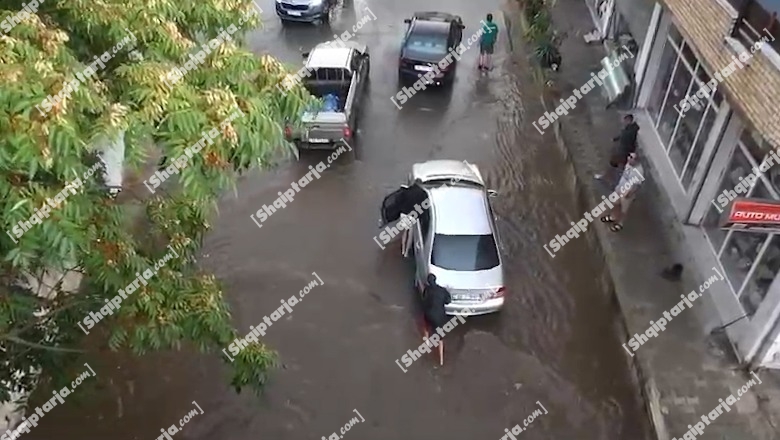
(585,197)
(649,391)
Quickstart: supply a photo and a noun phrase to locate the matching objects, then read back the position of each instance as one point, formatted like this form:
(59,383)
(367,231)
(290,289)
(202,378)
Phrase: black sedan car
(430,37)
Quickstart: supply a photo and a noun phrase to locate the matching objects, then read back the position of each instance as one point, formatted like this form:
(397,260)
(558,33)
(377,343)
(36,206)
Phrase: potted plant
(539,25)
(547,52)
(533,7)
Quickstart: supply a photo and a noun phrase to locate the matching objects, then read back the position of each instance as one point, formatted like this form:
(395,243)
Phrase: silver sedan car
(453,233)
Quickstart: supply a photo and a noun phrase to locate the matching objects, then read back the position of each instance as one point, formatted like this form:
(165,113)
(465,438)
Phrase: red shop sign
(754,214)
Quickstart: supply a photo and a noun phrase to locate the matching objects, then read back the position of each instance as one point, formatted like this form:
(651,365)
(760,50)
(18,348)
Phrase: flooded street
(556,341)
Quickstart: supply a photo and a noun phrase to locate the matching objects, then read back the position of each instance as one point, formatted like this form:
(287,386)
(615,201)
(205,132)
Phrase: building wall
(753,91)
(725,140)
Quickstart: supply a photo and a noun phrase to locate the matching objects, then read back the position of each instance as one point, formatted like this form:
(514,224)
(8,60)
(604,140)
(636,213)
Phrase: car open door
(401,201)
(393,205)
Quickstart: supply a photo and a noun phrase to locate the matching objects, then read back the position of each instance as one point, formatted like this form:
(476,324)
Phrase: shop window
(739,167)
(667,64)
(762,276)
(759,148)
(742,249)
(705,127)
(704,78)
(739,255)
(689,56)
(675,36)
(751,260)
(685,134)
(678,90)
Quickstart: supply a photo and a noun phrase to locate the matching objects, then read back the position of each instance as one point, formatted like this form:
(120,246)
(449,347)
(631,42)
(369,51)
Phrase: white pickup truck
(338,76)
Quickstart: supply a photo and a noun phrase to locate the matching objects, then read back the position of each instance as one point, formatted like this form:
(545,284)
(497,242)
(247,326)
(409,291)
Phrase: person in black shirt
(625,145)
(434,298)
(415,195)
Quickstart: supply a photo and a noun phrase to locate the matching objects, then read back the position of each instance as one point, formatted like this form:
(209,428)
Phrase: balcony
(756,21)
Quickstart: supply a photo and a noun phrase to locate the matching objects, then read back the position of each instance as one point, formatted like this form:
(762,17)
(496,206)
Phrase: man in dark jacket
(625,145)
(434,298)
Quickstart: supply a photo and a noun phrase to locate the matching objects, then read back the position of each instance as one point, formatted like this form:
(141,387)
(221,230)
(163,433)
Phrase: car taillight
(347,132)
(498,293)
(287,132)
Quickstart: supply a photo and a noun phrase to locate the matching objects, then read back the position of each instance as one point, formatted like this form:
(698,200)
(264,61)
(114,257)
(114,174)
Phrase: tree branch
(49,316)
(42,347)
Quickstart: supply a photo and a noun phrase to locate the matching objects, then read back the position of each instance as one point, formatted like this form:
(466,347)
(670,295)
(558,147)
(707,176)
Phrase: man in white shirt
(630,181)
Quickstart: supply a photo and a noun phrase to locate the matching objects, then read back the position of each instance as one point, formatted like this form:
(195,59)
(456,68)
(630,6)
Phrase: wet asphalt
(556,342)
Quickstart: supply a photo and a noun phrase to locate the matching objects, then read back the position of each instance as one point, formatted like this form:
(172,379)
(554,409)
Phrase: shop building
(704,140)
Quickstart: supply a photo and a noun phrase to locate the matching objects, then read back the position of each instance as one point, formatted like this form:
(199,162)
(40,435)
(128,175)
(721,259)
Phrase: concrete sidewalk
(684,371)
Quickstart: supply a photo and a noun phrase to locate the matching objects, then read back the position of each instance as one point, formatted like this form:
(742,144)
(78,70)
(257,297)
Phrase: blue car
(430,36)
(306,11)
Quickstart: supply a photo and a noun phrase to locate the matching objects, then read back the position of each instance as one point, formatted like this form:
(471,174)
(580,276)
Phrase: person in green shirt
(487,42)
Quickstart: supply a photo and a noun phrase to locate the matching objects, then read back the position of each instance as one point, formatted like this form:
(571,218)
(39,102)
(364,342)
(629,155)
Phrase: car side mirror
(492,193)
(407,20)
(305,55)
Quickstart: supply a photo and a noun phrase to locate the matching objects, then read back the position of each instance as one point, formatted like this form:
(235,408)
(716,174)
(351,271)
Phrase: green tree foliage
(41,152)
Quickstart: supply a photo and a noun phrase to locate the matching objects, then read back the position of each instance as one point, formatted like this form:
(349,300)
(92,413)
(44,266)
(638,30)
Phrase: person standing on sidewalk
(487,44)
(630,181)
(626,144)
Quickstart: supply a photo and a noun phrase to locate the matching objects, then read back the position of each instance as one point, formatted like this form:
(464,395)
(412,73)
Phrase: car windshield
(464,252)
(426,45)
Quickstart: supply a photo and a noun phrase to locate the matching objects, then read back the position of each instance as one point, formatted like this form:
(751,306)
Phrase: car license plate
(424,68)
(468,297)
(294,13)
(318,141)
